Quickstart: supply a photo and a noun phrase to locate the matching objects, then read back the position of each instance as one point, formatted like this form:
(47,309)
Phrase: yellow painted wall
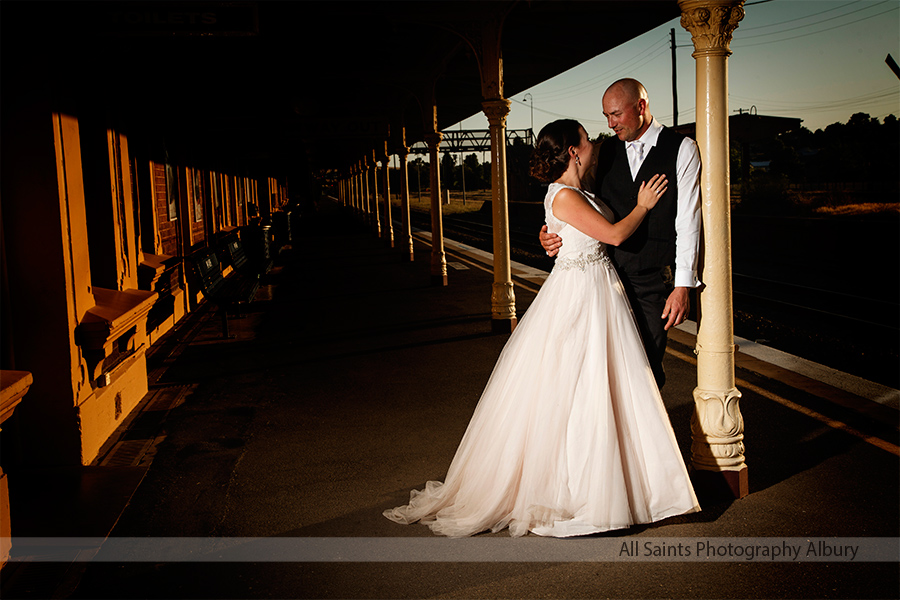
(103,411)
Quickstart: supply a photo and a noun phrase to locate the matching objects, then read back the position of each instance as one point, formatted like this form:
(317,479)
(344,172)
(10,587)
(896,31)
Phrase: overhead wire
(603,78)
(878,94)
(805,107)
(582,120)
(740,44)
(602,85)
(780,23)
(655,50)
(787,107)
(604,75)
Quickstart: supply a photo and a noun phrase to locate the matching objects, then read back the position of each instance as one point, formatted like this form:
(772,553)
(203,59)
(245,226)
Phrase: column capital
(403,152)
(711,23)
(433,139)
(496,111)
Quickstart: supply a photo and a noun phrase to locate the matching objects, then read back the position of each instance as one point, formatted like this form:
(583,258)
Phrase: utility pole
(531,104)
(674,78)
(462,165)
(419,178)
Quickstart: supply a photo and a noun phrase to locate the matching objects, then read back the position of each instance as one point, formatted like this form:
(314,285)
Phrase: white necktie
(635,157)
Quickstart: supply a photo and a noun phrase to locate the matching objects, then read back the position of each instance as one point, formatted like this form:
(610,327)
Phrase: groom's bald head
(627,109)
(631,89)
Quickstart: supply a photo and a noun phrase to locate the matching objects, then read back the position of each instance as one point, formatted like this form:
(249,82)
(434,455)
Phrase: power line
(605,74)
(620,71)
(626,70)
(853,12)
(781,23)
(655,50)
(876,95)
(802,108)
(602,78)
(603,122)
(871,102)
(739,44)
(778,24)
(582,120)
(684,116)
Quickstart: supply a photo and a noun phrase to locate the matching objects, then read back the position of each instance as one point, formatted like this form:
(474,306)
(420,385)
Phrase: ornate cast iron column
(496,108)
(717,426)
(357,188)
(438,259)
(345,189)
(403,152)
(354,187)
(373,193)
(351,175)
(388,229)
(503,297)
(364,189)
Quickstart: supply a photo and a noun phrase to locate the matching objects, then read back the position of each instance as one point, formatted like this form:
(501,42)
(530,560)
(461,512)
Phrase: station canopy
(273,83)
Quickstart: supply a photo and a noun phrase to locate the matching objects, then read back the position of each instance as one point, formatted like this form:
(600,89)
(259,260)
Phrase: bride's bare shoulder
(570,195)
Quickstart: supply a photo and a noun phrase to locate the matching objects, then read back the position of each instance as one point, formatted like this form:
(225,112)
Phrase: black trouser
(647,293)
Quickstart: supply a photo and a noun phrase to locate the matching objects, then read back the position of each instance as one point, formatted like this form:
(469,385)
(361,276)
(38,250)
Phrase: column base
(720,485)
(503,325)
(439,280)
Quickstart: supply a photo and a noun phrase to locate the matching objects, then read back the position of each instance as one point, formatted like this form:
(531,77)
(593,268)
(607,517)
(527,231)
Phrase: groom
(658,264)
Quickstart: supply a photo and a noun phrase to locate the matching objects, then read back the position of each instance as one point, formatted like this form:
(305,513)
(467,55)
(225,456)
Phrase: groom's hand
(677,307)
(550,241)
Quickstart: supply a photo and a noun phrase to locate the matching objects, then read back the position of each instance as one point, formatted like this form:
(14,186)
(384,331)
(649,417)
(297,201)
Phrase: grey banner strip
(438,549)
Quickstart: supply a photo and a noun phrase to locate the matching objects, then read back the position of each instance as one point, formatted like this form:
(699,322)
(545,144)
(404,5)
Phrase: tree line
(801,170)
(798,171)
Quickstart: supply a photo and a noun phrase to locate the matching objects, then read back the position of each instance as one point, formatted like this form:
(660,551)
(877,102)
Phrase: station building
(139,136)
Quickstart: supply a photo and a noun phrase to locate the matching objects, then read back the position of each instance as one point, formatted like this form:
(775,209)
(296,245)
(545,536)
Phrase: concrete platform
(349,383)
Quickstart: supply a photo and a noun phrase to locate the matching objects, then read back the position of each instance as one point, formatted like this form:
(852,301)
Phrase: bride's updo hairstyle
(550,158)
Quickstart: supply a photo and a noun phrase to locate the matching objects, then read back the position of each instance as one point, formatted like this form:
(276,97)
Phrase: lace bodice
(579,249)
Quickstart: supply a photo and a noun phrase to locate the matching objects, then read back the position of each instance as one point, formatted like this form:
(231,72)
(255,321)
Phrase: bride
(570,436)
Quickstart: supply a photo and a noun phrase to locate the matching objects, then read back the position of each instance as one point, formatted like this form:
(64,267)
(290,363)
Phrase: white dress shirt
(687,214)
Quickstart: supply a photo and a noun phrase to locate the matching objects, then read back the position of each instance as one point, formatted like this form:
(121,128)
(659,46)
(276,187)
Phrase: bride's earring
(577,161)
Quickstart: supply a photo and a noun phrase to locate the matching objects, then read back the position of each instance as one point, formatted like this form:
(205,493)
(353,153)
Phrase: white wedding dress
(570,436)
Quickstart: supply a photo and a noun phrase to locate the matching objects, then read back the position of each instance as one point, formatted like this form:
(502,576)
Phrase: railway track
(883,316)
(793,309)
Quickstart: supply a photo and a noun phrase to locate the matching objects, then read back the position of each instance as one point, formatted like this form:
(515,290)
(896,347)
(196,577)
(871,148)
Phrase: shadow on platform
(353,384)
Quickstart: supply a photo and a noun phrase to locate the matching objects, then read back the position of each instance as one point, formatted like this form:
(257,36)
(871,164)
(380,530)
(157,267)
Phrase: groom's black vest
(652,246)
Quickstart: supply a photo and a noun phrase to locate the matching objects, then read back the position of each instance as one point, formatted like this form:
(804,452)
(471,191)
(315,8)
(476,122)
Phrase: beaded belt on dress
(581,261)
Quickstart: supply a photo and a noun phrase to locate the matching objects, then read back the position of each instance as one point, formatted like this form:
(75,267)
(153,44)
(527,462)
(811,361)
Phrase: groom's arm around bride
(658,265)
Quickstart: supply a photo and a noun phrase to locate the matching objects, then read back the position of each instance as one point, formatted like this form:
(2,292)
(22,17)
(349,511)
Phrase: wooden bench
(236,291)
(239,261)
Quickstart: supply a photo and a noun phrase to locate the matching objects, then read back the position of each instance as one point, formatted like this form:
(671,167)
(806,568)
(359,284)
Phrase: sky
(818,60)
